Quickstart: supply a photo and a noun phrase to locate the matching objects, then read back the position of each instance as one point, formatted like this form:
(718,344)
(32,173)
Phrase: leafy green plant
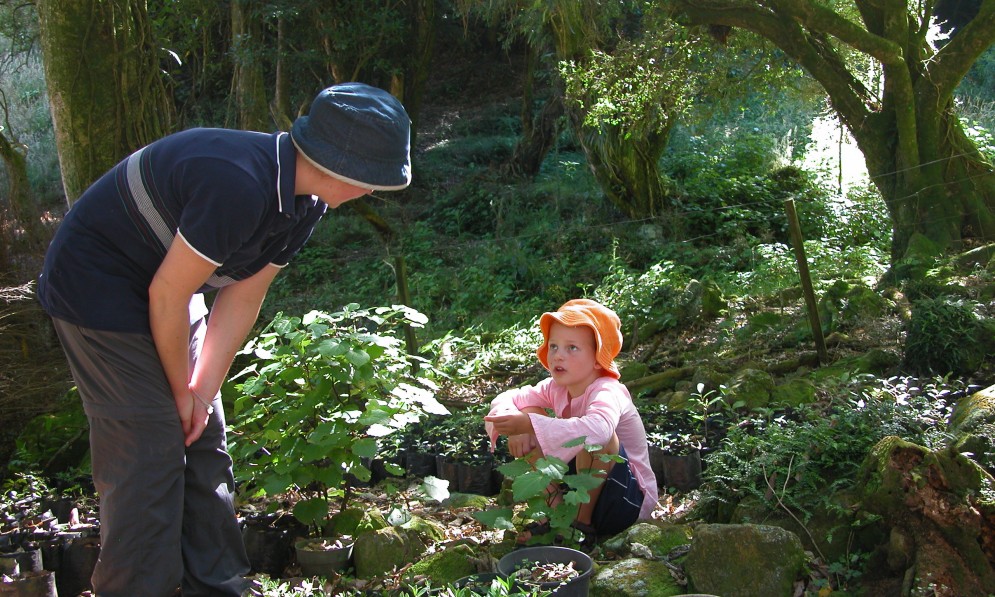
(808,454)
(322,390)
(947,335)
(530,485)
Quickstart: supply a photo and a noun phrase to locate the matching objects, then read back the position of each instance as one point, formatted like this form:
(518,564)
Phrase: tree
(103,76)
(624,104)
(933,178)
(248,80)
(18,213)
(620,76)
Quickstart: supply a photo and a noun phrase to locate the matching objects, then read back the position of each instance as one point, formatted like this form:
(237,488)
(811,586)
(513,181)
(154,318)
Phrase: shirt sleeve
(596,424)
(513,401)
(223,208)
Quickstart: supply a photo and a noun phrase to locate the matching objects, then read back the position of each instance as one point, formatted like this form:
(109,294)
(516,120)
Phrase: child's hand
(522,445)
(509,425)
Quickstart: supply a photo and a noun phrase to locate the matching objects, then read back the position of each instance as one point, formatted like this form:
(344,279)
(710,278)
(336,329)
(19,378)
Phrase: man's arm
(233,314)
(180,275)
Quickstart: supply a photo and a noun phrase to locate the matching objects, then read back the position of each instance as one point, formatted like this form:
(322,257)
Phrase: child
(581,340)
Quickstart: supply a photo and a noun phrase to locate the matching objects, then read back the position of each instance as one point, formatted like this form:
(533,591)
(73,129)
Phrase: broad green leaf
(496,518)
(576,442)
(529,484)
(312,511)
(365,447)
(435,488)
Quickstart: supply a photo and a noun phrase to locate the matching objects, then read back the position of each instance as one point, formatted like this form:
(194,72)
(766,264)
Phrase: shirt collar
(286,169)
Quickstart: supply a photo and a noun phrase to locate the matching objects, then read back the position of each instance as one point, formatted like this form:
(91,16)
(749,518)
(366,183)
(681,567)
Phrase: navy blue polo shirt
(228,194)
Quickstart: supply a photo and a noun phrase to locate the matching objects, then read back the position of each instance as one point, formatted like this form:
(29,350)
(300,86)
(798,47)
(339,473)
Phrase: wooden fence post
(813,311)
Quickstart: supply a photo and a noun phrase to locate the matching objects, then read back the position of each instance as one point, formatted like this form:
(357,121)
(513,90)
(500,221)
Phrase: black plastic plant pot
(529,558)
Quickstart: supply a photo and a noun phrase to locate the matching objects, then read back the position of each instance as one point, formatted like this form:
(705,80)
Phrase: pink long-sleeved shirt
(604,408)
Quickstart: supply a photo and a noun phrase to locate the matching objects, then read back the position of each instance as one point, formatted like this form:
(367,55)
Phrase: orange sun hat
(603,321)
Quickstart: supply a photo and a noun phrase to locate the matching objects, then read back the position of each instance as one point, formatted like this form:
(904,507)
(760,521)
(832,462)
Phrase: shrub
(322,390)
(811,453)
(947,334)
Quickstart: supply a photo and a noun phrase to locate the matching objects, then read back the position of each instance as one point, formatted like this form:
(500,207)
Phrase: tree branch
(953,60)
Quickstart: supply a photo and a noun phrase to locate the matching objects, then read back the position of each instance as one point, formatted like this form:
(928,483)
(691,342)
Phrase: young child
(581,340)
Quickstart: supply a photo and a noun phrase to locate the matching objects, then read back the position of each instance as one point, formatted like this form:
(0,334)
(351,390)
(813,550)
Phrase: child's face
(572,357)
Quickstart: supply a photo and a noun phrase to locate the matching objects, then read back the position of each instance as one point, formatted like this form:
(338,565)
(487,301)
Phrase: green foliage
(947,334)
(641,86)
(475,352)
(320,393)
(861,219)
(800,459)
(55,441)
(738,189)
(531,482)
(774,267)
(650,297)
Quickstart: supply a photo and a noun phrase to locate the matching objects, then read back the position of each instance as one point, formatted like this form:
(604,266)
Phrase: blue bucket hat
(358,134)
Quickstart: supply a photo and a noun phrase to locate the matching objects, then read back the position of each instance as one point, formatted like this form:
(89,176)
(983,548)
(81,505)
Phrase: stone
(635,577)
(744,560)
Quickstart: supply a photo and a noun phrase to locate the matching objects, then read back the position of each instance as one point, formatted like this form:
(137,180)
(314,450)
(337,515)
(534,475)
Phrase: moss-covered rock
(793,392)
(878,361)
(381,552)
(658,537)
(713,302)
(973,425)
(467,500)
(744,560)
(446,566)
(634,577)
(752,387)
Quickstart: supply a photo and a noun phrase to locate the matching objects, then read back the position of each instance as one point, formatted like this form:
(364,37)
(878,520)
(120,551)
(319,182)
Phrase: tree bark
(282,112)
(249,83)
(104,84)
(626,167)
(932,177)
(539,130)
(422,23)
(18,216)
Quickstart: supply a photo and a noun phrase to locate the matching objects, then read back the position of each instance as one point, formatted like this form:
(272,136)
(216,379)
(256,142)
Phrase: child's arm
(518,428)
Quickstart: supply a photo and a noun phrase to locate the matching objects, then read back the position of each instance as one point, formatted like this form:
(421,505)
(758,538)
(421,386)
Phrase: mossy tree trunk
(104,84)
(627,167)
(622,149)
(931,176)
(422,24)
(539,129)
(283,113)
(19,221)
(941,525)
(249,82)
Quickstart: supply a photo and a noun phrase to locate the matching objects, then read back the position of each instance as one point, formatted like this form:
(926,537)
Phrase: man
(198,211)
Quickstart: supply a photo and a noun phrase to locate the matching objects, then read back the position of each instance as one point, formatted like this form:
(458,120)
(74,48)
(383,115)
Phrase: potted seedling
(531,505)
(320,393)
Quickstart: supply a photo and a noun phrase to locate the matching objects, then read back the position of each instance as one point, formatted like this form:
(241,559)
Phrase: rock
(713,302)
(380,552)
(709,379)
(744,560)
(659,537)
(878,361)
(794,392)
(752,387)
(466,500)
(973,424)
(634,577)
(446,566)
